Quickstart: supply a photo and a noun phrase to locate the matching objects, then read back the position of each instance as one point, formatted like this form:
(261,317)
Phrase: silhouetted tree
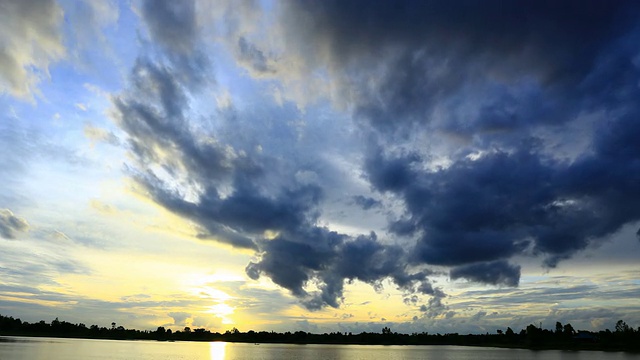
(559,328)
(621,326)
(624,338)
(568,330)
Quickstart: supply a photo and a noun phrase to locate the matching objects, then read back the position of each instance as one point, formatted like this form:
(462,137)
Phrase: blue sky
(320,166)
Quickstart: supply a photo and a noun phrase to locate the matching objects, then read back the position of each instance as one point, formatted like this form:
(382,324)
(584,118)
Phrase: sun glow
(205,279)
(205,286)
(222,311)
(211,293)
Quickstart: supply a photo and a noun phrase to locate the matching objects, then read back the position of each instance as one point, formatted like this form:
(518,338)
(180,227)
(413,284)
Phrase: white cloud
(30,40)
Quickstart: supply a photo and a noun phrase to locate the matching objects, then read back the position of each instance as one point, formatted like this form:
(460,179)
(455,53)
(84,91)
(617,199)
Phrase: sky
(431,166)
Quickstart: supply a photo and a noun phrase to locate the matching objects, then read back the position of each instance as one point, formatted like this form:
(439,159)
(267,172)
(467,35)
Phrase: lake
(14,348)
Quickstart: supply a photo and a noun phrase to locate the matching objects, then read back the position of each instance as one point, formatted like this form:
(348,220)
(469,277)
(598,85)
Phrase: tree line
(623,337)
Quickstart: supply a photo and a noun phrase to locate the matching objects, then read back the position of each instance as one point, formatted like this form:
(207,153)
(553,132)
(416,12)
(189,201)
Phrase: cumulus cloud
(11,225)
(180,318)
(30,40)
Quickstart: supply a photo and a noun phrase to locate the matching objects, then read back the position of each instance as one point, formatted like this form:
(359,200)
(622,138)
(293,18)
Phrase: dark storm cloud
(172,24)
(469,212)
(11,225)
(500,204)
(495,273)
(330,259)
(390,173)
(554,31)
(528,68)
(290,261)
(431,49)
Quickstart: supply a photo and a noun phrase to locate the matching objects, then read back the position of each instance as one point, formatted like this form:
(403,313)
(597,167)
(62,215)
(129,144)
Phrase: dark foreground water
(13,348)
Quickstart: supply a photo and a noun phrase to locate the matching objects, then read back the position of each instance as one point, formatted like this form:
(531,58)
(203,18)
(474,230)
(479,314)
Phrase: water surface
(19,348)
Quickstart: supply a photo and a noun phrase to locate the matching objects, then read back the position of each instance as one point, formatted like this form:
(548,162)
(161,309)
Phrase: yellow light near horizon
(203,285)
(214,294)
(221,310)
(218,276)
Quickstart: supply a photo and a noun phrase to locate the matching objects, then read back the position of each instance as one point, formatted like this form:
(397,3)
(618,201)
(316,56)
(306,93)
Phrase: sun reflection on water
(217,350)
